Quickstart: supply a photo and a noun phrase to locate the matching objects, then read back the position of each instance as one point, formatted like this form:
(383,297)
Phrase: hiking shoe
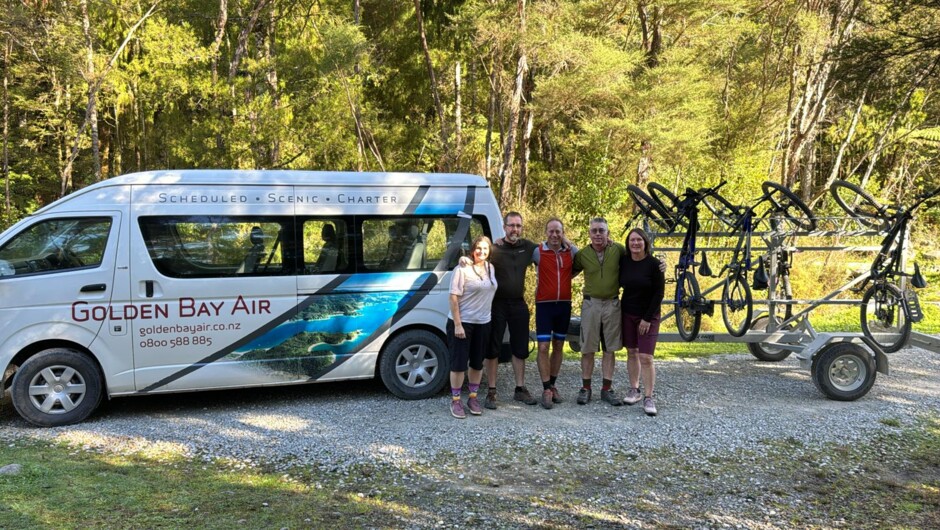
(633,396)
(456,409)
(649,406)
(474,405)
(524,396)
(610,396)
(490,401)
(584,395)
(547,401)
(556,397)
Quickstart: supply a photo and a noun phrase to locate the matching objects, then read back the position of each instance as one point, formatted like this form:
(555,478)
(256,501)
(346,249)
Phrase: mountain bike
(658,217)
(786,212)
(689,302)
(887,310)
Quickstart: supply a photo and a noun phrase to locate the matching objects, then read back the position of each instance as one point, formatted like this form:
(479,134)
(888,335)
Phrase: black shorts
(469,350)
(512,313)
(551,320)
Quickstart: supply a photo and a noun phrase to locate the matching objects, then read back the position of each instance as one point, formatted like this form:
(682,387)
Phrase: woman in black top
(643,286)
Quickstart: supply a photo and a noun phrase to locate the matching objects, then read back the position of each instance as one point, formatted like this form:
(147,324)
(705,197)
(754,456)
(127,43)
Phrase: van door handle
(94,288)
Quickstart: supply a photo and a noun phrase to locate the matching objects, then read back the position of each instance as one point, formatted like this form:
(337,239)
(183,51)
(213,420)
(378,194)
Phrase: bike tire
(884,317)
(659,219)
(668,201)
(727,213)
(859,204)
(737,304)
(791,206)
(688,317)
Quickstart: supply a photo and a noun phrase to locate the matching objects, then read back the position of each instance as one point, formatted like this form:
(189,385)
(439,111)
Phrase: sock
(455,393)
(473,389)
(552,379)
(519,388)
(546,385)
(586,383)
(607,384)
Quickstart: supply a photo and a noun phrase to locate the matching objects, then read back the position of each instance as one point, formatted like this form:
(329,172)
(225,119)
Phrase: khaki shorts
(597,315)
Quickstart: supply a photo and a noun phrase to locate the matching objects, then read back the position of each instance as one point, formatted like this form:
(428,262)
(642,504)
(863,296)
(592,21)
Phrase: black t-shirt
(643,286)
(510,263)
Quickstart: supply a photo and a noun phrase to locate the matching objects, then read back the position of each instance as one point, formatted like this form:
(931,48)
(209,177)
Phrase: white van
(172,281)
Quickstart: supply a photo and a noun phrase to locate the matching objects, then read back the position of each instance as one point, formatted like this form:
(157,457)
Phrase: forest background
(559,104)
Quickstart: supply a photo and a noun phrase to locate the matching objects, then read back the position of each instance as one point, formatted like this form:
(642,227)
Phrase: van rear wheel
(415,365)
(56,387)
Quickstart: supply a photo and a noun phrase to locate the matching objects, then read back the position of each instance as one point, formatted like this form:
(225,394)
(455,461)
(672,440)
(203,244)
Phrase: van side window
(325,246)
(56,245)
(411,243)
(214,247)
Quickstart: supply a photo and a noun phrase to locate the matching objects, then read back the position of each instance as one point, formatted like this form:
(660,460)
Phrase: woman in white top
(472,289)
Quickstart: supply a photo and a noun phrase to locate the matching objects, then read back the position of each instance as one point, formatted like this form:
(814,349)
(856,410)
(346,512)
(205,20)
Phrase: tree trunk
(92,93)
(837,162)
(525,146)
(490,118)
(458,125)
(515,104)
(270,52)
(7,48)
(434,91)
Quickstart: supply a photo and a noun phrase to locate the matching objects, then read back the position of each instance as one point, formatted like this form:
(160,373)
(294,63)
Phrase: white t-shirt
(476,293)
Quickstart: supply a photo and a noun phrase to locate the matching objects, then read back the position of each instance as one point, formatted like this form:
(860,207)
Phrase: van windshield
(56,245)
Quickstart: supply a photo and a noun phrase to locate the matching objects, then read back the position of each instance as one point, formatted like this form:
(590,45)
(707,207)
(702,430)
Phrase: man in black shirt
(510,257)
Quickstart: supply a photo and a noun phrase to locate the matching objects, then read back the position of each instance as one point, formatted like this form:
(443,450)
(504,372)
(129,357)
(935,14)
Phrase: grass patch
(86,489)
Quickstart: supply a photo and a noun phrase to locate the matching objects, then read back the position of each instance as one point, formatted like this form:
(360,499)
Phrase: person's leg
(645,362)
(491,355)
(517,321)
(543,362)
(633,367)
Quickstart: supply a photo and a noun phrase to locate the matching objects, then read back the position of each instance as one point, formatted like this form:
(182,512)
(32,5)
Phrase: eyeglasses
(514,226)
(598,230)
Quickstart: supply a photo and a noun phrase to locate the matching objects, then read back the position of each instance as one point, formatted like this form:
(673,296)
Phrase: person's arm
(456,291)
(455,311)
(659,291)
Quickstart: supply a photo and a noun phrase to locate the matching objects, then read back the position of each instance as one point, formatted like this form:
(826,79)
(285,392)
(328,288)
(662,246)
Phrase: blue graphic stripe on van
(273,323)
(418,292)
(382,281)
(416,200)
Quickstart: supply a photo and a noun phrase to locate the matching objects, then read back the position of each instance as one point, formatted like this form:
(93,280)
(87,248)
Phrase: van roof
(290,178)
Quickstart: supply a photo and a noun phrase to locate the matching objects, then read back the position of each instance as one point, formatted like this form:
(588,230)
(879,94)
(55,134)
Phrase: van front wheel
(56,387)
(415,365)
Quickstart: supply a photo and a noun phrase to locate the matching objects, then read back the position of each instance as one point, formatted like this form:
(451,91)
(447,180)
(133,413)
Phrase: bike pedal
(912,302)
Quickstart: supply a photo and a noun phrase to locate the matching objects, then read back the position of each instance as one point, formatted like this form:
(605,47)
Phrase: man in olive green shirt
(600,309)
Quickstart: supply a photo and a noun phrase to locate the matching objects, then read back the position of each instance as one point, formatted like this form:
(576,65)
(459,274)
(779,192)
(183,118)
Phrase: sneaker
(524,396)
(456,409)
(474,405)
(633,396)
(547,401)
(556,397)
(490,401)
(610,396)
(584,395)
(649,406)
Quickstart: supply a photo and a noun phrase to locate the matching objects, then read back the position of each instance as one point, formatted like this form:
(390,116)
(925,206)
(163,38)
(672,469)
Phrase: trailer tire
(415,365)
(55,387)
(844,371)
(765,351)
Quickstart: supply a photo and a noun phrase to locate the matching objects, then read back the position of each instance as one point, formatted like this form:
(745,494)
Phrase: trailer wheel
(765,351)
(844,371)
(415,365)
(57,387)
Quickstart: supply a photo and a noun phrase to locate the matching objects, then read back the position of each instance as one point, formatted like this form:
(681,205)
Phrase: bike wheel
(659,219)
(884,317)
(668,201)
(787,203)
(727,213)
(737,306)
(859,204)
(688,315)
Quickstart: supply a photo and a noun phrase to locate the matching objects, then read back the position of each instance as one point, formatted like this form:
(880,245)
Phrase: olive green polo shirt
(601,277)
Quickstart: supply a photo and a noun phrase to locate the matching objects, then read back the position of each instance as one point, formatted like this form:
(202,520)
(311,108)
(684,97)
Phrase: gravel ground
(626,469)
